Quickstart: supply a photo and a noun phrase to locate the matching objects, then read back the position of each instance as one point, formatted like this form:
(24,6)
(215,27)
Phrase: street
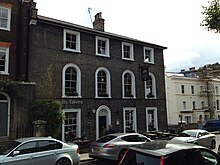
(96,162)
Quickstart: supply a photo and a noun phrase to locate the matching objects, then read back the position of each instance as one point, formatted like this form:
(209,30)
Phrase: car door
(23,155)
(204,139)
(48,152)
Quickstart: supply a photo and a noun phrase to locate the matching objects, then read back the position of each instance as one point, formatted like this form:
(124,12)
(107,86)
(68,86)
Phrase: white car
(39,151)
(197,136)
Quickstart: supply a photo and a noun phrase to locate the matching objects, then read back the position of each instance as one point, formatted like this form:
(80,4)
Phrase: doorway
(103,119)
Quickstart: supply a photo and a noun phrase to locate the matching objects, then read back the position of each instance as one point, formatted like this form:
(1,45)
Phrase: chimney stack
(99,22)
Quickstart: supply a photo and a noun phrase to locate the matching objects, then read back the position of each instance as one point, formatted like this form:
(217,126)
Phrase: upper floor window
(71,40)
(217,105)
(128,84)
(103,88)
(127,51)
(150,87)
(182,89)
(216,90)
(192,89)
(5,17)
(4,59)
(148,55)
(202,104)
(102,46)
(184,105)
(193,105)
(71,81)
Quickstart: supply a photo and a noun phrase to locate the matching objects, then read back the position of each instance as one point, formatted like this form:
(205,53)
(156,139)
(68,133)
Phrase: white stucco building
(191,99)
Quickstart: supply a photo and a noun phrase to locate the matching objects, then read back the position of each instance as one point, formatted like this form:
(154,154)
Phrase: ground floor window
(130,124)
(151,119)
(4,115)
(188,119)
(72,124)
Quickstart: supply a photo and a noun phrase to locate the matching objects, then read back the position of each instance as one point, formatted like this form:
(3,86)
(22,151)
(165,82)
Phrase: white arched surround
(108,77)
(133,92)
(78,87)
(103,110)
(8,101)
(153,87)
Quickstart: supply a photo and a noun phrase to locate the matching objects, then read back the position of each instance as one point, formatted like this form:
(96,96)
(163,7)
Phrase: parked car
(39,151)
(113,146)
(211,125)
(163,152)
(197,136)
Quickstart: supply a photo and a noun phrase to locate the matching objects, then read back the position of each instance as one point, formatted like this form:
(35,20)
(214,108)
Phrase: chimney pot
(99,22)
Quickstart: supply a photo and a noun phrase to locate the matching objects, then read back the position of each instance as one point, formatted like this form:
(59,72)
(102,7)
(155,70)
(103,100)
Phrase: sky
(174,24)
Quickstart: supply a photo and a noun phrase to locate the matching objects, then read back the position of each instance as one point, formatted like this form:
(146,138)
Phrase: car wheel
(121,154)
(63,161)
(213,144)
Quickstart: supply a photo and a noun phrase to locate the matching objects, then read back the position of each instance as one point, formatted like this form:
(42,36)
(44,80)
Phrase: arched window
(150,87)
(128,84)
(103,83)
(4,114)
(71,81)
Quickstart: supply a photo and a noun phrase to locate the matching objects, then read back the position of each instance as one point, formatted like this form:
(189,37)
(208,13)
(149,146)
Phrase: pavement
(85,157)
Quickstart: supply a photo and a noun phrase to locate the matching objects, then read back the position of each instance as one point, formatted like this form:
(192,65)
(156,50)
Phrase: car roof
(21,140)
(124,134)
(195,130)
(163,147)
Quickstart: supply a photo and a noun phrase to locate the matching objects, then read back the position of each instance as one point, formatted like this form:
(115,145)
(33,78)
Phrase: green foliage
(46,87)
(10,87)
(212,16)
(49,111)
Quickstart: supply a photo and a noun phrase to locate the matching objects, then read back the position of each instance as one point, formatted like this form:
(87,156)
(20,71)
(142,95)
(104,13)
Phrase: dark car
(168,153)
(211,125)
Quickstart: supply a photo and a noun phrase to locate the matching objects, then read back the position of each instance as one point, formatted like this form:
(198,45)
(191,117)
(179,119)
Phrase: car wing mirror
(15,153)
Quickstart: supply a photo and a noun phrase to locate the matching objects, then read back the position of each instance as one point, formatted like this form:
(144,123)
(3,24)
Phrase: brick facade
(15,40)
(46,48)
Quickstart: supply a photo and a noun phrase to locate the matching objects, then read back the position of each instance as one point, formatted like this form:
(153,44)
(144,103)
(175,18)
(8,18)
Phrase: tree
(46,108)
(212,16)
(46,87)
(49,111)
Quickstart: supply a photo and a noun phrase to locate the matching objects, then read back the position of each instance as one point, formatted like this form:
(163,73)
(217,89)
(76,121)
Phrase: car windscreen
(188,134)
(106,139)
(136,158)
(8,148)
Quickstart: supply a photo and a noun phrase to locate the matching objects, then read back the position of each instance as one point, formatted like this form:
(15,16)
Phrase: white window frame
(133,92)
(107,54)
(108,77)
(131,51)
(151,55)
(133,109)
(155,117)
(78,87)
(8,18)
(153,88)
(6,50)
(77,34)
(78,111)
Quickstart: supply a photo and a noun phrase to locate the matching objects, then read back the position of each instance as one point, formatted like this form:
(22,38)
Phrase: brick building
(15,90)
(98,77)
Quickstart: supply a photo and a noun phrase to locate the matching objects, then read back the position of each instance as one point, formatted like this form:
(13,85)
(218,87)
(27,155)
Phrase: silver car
(39,151)
(113,146)
(197,136)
